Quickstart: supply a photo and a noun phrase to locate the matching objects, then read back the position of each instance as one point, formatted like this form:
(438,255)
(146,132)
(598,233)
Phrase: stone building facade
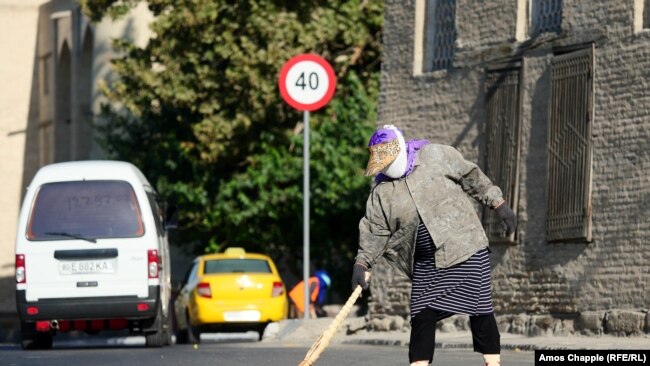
(551,99)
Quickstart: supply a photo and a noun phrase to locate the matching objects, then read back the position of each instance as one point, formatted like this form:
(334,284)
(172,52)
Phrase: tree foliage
(198,109)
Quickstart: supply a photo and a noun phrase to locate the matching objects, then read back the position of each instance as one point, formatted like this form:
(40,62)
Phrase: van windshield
(85,210)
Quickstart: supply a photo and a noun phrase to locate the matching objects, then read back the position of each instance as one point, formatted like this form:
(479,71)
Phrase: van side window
(90,209)
(191,273)
(157,211)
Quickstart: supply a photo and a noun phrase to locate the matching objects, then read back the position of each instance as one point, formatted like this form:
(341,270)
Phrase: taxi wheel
(193,333)
(260,331)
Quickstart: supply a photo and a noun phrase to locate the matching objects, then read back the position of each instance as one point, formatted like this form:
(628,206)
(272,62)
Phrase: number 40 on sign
(307,82)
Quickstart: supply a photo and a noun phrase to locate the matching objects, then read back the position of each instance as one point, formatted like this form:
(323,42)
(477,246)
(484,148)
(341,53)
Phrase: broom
(324,340)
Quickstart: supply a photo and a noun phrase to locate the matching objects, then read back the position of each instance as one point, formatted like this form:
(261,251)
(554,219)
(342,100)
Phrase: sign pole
(307,83)
(305,211)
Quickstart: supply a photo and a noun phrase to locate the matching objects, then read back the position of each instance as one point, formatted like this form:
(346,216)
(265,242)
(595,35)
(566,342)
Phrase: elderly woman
(419,217)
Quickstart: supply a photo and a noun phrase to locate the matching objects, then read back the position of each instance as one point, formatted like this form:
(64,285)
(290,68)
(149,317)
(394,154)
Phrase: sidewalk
(301,332)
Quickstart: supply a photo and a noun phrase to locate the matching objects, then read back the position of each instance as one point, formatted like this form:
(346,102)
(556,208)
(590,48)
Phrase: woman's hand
(508,218)
(360,276)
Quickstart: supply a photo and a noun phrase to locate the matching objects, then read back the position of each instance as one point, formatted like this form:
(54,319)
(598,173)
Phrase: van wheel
(31,339)
(169,330)
(44,340)
(157,337)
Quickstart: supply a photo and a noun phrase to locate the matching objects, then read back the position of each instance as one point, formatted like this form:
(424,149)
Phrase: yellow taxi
(232,291)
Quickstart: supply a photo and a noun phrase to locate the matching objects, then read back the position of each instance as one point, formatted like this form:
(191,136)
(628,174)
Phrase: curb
(511,347)
(398,343)
(377,342)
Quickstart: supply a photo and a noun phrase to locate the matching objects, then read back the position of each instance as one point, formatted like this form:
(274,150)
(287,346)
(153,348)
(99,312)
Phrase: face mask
(397,168)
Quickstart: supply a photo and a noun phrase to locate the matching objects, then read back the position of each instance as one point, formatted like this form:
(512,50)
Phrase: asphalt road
(225,352)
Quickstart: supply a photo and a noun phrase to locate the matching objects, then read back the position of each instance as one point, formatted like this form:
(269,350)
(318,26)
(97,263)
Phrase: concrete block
(563,327)
(625,322)
(397,323)
(543,321)
(380,325)
(535,331)
(503,323)
(446,325)
(590,322)
(520,324)
(462,322)
(356,324)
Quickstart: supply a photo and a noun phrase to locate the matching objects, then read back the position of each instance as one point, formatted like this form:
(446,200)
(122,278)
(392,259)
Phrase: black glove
(359,276)
(508,218)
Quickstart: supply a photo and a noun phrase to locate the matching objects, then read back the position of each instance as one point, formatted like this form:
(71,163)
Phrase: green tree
(199,112)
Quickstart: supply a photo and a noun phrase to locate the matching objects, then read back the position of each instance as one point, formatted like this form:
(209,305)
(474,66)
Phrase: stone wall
(590,323)
(567,282)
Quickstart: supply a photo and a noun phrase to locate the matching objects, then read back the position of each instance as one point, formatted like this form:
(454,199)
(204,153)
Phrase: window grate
(440,37)
(502,143)
(546,16)
(569,147)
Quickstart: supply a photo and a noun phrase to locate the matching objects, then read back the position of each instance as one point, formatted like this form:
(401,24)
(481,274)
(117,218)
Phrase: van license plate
(82,267)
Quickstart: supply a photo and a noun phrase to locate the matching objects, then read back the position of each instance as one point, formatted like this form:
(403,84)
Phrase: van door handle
(86,254)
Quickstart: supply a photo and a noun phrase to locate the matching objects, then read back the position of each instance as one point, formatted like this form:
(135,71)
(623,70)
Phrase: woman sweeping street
(420,218)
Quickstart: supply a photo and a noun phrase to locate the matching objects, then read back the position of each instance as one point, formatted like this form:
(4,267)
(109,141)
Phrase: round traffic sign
(307,82)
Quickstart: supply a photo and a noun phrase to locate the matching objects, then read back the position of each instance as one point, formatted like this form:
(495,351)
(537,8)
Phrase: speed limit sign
(307,82)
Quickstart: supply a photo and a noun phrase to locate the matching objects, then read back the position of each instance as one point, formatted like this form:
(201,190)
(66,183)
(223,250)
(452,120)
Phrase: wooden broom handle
(323,341)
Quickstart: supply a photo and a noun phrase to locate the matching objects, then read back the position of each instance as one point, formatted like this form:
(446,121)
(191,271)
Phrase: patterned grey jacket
(437,191)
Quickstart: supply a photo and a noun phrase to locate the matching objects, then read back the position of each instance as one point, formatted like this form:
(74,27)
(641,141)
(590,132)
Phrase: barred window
(570,147)
(546,16)
(502,99)
(440,34)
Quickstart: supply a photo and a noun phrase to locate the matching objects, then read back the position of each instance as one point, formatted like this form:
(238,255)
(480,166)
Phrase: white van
(92,254)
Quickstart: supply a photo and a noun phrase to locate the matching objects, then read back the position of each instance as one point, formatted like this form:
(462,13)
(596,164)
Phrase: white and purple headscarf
(403,162)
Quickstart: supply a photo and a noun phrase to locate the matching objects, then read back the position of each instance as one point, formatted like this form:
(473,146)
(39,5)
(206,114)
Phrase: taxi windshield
(236,266)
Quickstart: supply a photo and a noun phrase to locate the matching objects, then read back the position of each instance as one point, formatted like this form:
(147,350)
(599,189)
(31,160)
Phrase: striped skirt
(464,288)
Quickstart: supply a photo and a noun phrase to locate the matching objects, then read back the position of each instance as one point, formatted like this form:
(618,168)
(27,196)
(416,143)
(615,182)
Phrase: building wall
(18,25)
(534,276)
(33,130)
